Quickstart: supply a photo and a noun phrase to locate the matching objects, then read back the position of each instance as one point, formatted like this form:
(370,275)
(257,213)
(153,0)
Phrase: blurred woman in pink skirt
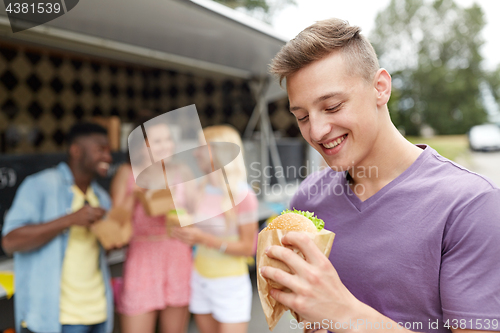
(157,270)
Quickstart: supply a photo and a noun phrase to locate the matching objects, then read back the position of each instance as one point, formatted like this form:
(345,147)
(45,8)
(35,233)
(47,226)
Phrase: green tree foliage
(261,9)
(431,49)
(494,82)
(248,4)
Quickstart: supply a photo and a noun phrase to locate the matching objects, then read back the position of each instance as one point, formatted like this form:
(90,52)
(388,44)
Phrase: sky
(291,20)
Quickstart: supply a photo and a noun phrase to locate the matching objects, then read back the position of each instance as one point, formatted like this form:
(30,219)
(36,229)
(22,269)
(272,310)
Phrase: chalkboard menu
(14,168)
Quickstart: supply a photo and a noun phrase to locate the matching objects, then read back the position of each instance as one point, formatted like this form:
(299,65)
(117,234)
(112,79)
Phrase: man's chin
(337,165)
(100,173)
(101,170)
(341,168)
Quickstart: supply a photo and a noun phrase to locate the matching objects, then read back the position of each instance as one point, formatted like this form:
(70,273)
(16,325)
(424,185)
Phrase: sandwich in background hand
(289,220)
(173,220)
(156,202)
(115,229)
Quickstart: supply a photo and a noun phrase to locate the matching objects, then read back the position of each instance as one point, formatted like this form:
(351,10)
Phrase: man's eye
(334,108)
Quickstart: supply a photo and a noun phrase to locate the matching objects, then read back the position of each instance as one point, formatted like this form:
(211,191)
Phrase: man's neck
(391,155)
(82,179)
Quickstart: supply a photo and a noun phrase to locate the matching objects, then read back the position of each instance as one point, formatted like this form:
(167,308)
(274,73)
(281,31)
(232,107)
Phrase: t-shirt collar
(362,205)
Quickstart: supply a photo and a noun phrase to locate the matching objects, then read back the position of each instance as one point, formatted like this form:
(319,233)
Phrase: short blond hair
(321,39)
(235,171)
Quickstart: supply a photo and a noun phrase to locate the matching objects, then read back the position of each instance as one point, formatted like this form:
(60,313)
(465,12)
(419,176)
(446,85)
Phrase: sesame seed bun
(292,222)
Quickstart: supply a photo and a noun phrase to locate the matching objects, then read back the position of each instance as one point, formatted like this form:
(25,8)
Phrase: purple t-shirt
(424,249)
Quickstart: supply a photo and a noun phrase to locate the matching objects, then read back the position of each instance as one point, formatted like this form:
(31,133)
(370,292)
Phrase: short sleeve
(470,264)
(248,209)
(26,207)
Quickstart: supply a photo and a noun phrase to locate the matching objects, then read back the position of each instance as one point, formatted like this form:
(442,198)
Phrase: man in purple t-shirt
(417,244)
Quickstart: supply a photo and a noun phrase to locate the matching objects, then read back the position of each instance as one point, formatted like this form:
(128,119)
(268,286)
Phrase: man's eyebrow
(319,99)
(327,96)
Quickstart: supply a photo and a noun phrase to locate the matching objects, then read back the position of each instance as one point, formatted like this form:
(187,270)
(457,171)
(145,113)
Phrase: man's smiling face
(336,111)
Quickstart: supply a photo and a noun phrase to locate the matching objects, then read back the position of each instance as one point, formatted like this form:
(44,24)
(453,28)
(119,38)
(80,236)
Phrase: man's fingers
(97,212)
(305,244)
(288,280)
(291,300)
(285,298)
(100,211)
(290,258)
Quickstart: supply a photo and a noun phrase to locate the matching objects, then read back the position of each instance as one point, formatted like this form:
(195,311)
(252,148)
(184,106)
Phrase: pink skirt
(156,275)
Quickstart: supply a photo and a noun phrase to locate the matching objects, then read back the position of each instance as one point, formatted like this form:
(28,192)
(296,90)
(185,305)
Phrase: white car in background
(484,137)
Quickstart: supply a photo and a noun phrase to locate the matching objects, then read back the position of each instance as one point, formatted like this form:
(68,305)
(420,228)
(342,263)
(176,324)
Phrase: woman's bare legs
(144,323)
(233,328)
(174,319)
(206,323)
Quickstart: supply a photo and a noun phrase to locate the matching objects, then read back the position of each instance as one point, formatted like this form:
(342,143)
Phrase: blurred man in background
(61,275)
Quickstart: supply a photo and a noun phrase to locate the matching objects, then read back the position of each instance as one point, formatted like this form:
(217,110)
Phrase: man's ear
(382,84)
(75,151)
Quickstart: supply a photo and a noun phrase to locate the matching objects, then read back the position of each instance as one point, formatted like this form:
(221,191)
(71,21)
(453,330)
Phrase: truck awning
(196,35)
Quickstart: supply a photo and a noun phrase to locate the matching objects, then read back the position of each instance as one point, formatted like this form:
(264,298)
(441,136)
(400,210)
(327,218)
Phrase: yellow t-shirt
(83,300)
(211,263)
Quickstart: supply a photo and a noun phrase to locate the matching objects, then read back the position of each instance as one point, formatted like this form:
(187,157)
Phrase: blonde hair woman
(221,291)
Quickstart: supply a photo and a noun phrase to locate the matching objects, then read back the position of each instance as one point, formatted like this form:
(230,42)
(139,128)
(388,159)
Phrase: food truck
(106,61)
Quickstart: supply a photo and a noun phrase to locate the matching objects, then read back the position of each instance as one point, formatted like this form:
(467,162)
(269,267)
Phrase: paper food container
(156,202)
(273,310)
(115,230)
(173,221)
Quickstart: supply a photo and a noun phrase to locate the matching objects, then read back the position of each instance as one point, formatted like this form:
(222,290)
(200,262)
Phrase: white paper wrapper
(273,310)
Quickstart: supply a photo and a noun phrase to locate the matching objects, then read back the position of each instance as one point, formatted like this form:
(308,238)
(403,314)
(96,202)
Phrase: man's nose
(107,156)
(319,127)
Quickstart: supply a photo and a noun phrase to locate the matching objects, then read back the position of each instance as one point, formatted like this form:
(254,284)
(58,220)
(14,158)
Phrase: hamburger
(173,219)
(289,220)
(173,216)
(296,220)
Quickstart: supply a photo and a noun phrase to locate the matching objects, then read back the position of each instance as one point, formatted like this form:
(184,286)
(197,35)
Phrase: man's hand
(31,237)
(86,216)
(317,293)
(316,290)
